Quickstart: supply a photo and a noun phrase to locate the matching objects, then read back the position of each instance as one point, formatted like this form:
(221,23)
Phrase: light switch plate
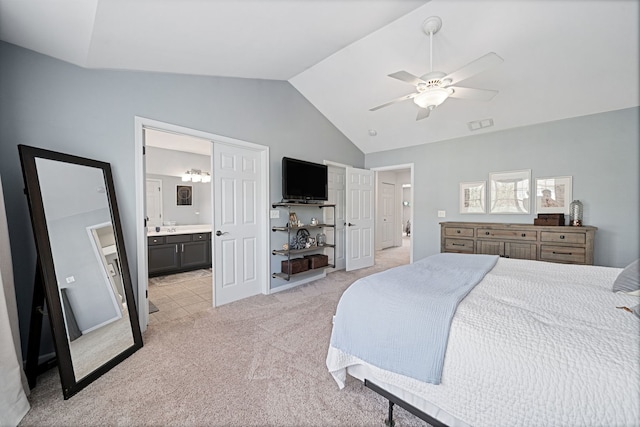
(274,213)
(441,214)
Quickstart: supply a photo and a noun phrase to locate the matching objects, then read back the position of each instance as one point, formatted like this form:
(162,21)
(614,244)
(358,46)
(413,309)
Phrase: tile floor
(179,295)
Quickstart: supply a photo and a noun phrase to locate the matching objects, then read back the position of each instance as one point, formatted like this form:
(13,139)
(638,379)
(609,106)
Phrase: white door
(237,222)
(360,221)
(387,215)
(336,235)
(154,202)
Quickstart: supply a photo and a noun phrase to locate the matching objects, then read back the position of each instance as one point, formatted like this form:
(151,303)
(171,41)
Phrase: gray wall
(51,104)
(600,152)
(197,213)
(168,166)
(161,161)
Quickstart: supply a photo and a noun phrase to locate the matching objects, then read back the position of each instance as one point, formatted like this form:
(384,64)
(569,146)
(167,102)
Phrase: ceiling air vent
(480,124)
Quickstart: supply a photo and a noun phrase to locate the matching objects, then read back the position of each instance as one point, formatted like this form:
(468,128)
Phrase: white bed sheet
(534,343)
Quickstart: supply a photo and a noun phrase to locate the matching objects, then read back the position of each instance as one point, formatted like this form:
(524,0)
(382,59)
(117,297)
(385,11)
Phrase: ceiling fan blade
(471,93)
(471,69)
(402,98)
(407,77)
(423,113)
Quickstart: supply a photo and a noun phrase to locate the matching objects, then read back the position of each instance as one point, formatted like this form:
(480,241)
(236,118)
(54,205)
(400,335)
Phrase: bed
(532,343)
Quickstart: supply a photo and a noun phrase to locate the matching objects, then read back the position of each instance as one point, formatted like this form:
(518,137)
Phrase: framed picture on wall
(473,197)
(510,192)
(554,195)
(184,195)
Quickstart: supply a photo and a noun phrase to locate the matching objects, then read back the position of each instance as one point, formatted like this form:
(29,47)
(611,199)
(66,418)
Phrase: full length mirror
(83,264)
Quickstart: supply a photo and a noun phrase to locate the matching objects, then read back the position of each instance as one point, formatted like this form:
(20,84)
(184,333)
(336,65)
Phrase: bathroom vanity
(178,249)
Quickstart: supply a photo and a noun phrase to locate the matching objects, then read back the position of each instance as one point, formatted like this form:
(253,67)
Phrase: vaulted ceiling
(562,58)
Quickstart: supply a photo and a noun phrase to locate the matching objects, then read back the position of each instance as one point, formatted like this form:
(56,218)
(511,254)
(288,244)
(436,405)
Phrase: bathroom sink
(180,229)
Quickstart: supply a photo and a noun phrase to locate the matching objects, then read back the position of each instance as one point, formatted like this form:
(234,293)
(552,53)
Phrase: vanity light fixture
(196,175)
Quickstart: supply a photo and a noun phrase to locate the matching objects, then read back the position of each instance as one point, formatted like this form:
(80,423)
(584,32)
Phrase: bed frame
(394,400)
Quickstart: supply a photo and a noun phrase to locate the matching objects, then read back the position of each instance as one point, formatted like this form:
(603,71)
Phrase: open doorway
(399,207)
(207,212)
(394,210)
(179,215)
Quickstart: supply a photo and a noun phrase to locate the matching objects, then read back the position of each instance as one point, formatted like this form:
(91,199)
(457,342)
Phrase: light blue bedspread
(399,319)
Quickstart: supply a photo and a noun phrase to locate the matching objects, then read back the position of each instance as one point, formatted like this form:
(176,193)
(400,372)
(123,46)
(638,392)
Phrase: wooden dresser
(569,245)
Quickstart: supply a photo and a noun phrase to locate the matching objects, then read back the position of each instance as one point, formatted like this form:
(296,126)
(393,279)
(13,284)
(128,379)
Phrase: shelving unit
(293,230)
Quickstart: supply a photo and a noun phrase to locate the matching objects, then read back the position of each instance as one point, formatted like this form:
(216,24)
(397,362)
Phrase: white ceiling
(562,58)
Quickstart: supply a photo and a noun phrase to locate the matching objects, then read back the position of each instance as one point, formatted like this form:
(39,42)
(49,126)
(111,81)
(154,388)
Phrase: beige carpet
(255,362)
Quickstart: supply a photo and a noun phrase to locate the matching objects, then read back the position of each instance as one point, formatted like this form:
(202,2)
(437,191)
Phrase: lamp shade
(432,97)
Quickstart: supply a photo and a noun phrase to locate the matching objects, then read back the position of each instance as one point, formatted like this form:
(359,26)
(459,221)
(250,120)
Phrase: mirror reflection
(86,263)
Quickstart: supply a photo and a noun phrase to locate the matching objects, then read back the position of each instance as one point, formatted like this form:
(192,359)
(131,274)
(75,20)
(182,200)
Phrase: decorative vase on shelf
(575,213)
(321,239)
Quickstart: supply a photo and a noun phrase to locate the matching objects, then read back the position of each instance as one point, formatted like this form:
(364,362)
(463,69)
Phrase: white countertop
(179,229)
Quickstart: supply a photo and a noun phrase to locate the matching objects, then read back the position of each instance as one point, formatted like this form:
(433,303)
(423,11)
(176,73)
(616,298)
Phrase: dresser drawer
(506,234)
(558,237)
(569,254)
(458,245)
(155,240)
(458,232)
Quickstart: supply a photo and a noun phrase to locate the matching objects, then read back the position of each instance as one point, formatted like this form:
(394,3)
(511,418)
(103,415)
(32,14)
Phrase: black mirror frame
(70,385)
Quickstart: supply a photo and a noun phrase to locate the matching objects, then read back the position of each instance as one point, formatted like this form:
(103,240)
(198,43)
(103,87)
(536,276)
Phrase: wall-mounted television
(303,181)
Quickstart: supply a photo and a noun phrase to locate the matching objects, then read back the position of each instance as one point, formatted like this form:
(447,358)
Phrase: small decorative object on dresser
(575,213)
(549,219)
(569,245)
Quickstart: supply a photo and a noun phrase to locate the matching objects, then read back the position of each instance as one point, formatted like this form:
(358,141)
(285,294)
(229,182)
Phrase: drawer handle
(523,235)
(176,248)
(458,231)
(562,253)
(486,233)
(457,244)
(562,237)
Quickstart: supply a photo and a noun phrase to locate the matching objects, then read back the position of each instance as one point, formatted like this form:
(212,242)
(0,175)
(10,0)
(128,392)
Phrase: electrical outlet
(442,214)
(274,213)
(71,279)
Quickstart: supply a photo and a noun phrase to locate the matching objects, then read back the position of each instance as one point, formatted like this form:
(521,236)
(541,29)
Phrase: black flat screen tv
(303,181)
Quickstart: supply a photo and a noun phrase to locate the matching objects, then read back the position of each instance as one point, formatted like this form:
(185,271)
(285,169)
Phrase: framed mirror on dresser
(82,268)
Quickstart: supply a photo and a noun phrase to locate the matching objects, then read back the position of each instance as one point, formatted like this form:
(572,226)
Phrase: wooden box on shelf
(294,266)
(317,260)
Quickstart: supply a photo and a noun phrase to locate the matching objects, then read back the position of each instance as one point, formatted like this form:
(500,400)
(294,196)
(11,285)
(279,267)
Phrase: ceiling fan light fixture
(432,97)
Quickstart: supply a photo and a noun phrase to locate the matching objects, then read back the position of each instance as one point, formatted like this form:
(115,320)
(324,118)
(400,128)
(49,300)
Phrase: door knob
(351,225)
(220,233)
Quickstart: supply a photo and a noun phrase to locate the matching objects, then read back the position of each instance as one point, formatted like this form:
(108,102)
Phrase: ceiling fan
(433,88)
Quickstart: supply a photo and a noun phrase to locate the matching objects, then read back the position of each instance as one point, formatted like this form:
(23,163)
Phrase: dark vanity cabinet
(176,253)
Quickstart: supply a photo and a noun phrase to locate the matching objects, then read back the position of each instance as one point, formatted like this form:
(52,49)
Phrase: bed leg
(389,421)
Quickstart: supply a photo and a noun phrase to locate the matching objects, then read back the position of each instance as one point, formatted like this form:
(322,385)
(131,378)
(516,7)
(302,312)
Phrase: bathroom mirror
(83,264)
